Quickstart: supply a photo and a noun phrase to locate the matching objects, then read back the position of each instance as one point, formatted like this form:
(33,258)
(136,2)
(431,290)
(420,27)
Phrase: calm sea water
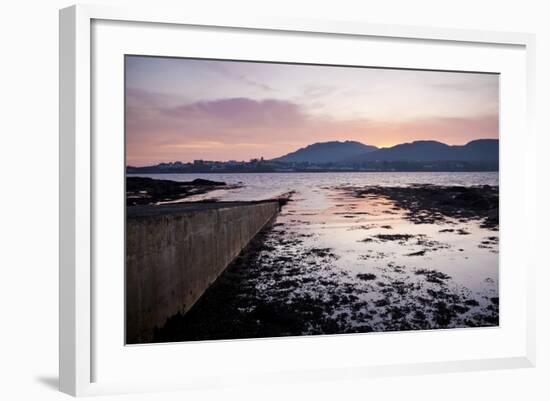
(323,215)
(267,185)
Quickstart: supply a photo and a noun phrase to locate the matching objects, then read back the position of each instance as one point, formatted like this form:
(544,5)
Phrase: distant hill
(481,150)
(478,155)
(327,152)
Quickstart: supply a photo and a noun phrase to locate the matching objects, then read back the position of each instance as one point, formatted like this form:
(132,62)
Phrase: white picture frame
(78,164)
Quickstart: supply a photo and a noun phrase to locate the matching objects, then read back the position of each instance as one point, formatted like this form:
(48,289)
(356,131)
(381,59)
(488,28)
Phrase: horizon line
(305,146)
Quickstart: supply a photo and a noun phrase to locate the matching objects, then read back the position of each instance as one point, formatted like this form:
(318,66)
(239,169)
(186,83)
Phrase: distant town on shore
(351,156)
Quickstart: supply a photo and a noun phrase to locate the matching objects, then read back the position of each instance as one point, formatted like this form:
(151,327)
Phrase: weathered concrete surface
(174,253)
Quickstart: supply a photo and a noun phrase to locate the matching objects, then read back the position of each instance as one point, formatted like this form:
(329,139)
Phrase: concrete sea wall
(174,253)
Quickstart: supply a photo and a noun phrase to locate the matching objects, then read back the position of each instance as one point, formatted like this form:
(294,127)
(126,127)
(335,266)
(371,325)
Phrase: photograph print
(269,199)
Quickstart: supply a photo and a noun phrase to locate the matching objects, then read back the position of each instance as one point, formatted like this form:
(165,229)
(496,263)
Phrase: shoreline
(312,172)
(285,284)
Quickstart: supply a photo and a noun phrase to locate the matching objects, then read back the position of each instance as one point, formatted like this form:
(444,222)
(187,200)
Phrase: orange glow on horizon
(185,109)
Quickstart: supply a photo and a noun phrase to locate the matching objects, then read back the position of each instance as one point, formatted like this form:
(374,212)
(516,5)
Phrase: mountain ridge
(418,151)
(481,150)
(326,152)
(422,155)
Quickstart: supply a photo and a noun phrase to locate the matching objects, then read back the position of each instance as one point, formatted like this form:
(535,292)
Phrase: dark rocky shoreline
(282,285)
(426,203)
(145,191)
(302,299)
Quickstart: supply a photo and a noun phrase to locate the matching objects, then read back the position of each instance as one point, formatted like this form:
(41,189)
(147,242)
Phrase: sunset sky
(186,109)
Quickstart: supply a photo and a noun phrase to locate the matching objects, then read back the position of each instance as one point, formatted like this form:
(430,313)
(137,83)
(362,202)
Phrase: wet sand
(348,259)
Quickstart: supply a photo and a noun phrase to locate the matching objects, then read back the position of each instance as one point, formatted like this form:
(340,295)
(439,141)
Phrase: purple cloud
(239,112)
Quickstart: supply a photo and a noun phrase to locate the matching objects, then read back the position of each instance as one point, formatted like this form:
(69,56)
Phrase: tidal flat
(353,258)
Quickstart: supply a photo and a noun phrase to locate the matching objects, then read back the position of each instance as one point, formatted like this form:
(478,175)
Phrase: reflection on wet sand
(347,259)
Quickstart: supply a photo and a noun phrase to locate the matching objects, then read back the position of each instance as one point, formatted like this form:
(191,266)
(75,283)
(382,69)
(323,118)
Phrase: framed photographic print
(294,200)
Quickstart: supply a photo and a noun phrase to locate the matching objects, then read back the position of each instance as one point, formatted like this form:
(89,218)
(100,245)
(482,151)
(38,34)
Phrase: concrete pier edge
(175,252)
